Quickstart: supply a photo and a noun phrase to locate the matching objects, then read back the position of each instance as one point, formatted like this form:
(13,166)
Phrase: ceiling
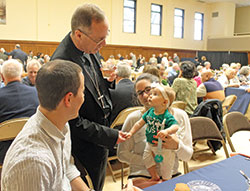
(239,3)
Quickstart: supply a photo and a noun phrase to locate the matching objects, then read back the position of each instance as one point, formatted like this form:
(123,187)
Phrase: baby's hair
(171,94)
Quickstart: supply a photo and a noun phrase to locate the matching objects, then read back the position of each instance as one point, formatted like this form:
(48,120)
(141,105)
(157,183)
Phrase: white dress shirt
(39,158)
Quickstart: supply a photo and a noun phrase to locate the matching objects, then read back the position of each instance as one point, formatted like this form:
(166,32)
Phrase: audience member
(133,59)
(40,156)
(153,60)
(122,95)
(151,70)
(203,60)
(225,78)
(32,68)
(196,61)
(224,67)
(17,53)
(163,74)
(207,65)
(2,55)
(140,61)
(16,99)
(176,58)
(197,77)
(131,151)
(30,55)
(185,86)
(164,59)
(46,58)
(159,58)
(244,73)
(90,133)
(120,57)
(210,88)
(173,72)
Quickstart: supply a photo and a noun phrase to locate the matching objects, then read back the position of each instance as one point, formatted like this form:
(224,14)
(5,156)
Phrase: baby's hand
(128,135)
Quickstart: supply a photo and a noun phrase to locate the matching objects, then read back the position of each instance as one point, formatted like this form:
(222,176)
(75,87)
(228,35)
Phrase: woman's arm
(126,150)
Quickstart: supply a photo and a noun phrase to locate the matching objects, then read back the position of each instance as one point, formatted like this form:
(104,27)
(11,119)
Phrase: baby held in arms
(160,124)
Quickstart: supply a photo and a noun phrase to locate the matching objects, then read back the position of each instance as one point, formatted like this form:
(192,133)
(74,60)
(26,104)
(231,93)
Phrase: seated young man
(40,156)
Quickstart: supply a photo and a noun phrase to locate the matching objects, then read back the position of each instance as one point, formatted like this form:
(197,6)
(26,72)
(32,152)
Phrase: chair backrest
(179,104)
(235,121)
(204,128)
(10,128)
(227,103)
(119,120)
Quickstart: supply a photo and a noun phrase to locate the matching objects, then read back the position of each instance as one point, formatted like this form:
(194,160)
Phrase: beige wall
(242,20)
(237,43)
(49,20)
(223,25)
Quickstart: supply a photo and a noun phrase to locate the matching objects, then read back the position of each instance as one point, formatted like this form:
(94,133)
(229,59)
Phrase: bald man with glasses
(91,135)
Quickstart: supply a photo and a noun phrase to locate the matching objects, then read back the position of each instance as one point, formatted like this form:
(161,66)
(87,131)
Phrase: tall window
(198,26)
(129,16)
(156,12)
(178,23)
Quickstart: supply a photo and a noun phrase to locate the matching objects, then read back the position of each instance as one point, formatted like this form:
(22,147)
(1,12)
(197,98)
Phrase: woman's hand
(169,142)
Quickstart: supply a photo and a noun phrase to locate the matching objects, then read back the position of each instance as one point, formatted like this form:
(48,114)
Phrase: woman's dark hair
(187,69)
(145,76)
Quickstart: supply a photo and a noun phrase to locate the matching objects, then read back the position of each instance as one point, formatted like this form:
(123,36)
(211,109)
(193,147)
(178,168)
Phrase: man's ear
(67,99)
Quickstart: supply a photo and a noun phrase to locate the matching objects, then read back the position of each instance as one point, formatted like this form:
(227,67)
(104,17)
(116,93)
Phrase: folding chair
(119,120)
(227,103)
(204,128)
(233,122)
(179,104)
(9,129)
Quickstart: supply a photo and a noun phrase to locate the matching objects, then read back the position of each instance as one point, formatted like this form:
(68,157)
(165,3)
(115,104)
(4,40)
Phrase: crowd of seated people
(200,73)
(181,76)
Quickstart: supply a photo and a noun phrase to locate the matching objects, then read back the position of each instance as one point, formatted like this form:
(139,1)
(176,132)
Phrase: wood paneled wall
(145,51)
(49,48)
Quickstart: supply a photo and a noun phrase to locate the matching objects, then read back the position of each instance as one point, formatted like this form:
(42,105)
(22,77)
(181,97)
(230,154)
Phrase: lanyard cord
(95,82)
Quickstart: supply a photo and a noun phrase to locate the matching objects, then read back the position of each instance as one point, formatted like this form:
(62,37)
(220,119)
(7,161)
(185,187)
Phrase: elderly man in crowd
(91,135)
(122,96)
(226,78)
(210,88)
(17,53)
(40,156)
(32,68)
(16,99)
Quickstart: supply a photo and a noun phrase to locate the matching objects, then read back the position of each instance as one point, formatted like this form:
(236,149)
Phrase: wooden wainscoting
(49,47)
(145,51)
(26,46)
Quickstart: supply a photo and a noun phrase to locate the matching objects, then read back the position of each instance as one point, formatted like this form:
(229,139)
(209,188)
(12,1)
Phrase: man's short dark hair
(84,15)
(54,80)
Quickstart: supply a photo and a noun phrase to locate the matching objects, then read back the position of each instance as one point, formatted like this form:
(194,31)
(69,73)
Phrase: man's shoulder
(64,50)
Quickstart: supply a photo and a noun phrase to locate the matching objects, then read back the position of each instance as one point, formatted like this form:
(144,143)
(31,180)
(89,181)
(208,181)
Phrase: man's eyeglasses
(95,41)
(146,90)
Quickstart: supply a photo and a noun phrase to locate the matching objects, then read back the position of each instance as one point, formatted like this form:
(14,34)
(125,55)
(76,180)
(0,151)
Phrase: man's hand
(122,136)
(112,76)
(169,142)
